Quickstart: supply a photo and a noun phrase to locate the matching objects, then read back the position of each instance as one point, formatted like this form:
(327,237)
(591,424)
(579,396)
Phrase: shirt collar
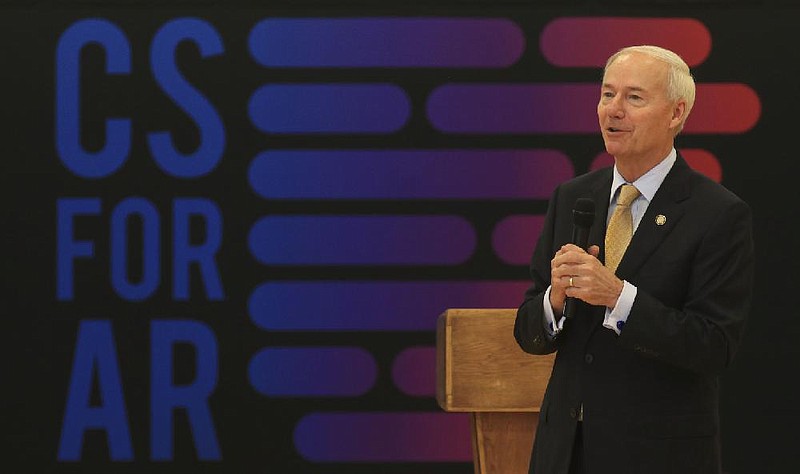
(648,183)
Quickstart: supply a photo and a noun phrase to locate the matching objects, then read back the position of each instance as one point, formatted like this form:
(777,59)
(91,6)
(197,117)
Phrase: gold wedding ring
(570,282)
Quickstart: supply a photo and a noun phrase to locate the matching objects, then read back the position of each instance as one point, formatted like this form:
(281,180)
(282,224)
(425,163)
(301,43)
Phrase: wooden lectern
(481,369)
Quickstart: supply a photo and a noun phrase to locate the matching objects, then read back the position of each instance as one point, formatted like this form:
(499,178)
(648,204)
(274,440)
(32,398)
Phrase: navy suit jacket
(649,395)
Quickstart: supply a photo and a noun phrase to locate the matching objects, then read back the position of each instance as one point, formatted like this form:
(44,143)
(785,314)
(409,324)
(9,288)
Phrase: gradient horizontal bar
(700,160)
(329,108)
(312,372)
(589,41)
(572,108)
(724,108)
(384,437)
(386,42)
(514,108)
(408,174)
(372,305)
(515,237)
(414,371)
(362,240)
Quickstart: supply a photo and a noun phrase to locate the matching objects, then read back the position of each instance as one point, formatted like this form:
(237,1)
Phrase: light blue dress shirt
(647,185)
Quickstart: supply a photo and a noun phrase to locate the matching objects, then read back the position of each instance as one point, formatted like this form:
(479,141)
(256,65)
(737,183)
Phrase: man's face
(637,119)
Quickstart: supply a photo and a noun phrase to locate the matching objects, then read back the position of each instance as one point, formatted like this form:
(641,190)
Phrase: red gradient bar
(414,371)
(514,108)
(698,159)
(514,238)
(384,437)
(721,108)
(589,41)
(724,108)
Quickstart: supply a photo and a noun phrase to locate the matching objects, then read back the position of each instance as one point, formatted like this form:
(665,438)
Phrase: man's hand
(590,280)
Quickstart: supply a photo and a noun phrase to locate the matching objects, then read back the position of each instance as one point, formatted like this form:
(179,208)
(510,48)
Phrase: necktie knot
(627,194)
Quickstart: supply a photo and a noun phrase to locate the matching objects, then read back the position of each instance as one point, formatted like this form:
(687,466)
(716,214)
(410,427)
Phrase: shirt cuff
(617,316)
(551,327)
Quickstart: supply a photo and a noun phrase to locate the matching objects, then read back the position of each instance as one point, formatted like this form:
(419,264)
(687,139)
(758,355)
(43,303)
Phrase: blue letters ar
(96,361)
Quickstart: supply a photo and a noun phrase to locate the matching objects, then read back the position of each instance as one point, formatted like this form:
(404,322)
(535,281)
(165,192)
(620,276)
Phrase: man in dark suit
(634,387)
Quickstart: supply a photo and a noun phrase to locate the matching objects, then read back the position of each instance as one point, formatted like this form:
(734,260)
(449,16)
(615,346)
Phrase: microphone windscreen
(583,213)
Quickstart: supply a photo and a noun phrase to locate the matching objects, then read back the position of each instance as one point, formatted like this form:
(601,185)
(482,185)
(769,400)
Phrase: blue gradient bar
(409,174)
(329,108)
(362,240)
(514,108)
(386,42)
(372,305)
(312,372)
(384,437)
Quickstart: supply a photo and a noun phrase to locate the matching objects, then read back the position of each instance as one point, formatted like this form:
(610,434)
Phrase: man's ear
(678,114)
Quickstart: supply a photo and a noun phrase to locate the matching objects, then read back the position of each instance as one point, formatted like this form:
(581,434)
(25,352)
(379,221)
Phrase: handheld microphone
(582,220)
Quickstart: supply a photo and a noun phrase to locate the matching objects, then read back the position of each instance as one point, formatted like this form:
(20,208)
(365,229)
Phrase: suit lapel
(661,217)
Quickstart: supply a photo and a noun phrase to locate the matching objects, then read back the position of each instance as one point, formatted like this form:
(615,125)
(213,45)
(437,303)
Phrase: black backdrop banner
(229,229)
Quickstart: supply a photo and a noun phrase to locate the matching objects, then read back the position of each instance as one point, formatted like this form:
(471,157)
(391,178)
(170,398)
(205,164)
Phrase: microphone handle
(580,237)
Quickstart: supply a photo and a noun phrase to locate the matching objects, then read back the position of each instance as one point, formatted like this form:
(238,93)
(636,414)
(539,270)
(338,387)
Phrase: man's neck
(634,167)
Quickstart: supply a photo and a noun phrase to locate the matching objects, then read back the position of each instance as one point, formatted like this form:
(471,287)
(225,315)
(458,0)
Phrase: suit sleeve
(529,326)
(704,334)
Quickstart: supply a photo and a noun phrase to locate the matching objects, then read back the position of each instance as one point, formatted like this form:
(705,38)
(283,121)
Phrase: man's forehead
(630,87)
(635,72)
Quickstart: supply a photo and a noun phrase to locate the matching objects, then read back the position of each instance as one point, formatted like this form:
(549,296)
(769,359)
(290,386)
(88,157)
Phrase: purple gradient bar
(514,238)
(409,174)
(329,108)
(386,42)
(312,372)
(572,108)
(372,306)
(362,240)
(514,108)
(384,437)
(414,371)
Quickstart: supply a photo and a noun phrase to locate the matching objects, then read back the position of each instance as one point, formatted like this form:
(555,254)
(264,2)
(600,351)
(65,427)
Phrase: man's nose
(616,107)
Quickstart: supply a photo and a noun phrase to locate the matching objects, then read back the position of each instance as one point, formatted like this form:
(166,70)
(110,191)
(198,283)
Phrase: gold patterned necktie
(620,227)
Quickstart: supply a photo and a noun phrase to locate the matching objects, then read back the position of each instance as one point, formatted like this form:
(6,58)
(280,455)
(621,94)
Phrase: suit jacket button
(588,358)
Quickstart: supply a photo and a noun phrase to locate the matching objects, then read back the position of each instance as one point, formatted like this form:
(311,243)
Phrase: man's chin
(613,148)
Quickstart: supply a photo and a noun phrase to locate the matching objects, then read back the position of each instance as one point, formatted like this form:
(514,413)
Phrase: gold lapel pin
(661,219)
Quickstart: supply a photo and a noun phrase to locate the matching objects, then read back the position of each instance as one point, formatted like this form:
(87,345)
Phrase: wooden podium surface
(480,369)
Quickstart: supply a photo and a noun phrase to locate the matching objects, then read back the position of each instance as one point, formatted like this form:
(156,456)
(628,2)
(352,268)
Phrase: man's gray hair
(680,83)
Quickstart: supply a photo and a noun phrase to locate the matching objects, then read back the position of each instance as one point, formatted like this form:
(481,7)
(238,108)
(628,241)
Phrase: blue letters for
(68,249)
(184,253)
